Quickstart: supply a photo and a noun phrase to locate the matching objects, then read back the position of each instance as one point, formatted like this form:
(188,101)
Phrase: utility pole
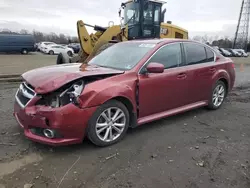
(241,34)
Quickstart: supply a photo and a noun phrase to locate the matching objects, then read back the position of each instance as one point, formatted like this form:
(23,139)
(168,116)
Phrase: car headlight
(63,96)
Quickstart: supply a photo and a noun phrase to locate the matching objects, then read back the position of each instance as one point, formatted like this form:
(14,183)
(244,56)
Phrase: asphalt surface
(18,64)
(197,149)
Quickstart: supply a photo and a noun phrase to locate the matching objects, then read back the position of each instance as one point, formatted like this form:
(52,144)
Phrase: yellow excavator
(140,19)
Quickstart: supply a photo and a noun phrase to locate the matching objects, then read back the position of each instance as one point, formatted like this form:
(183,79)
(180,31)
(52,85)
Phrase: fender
(221,74)
(96,98)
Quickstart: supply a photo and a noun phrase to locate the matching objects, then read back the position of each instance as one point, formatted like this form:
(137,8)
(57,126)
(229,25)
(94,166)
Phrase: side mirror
(155,68)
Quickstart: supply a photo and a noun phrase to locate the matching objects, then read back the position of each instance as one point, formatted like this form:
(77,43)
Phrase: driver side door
(160,92)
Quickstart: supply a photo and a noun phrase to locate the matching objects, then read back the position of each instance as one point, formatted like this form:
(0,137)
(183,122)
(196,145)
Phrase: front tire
(218,96)
(51,52)
(70,53)
(109,124)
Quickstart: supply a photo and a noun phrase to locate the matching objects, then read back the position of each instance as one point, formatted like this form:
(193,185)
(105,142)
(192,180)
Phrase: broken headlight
(64,96)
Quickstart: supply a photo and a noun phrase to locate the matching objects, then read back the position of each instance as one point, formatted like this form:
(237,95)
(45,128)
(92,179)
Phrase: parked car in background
(17,43)
(225,52)
(234,53)
(242,52)
(56,49)
(61,104)
(36,46)
(42,45)
(75,46)
(216,49)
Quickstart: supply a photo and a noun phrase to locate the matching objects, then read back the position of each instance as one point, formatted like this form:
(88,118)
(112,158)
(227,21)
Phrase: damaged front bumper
(68,122)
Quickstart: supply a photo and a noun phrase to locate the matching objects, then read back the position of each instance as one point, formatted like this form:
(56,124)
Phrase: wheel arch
(225,81)
(129,105)
(223,76)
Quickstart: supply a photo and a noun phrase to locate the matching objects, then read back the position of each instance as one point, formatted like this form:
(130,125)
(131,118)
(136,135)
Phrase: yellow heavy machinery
(140,19)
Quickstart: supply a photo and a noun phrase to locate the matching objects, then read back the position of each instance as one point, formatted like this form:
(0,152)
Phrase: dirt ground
(197,149)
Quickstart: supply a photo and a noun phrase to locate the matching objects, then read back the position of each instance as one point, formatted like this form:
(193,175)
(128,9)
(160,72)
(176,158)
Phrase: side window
(169,56)
(157,15)
(178,35)
(148,14)
(210,55)
(195,53)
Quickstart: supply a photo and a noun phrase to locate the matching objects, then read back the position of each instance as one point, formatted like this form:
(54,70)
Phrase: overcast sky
(212,17)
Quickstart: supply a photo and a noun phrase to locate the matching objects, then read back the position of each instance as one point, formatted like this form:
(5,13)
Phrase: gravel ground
(197,149)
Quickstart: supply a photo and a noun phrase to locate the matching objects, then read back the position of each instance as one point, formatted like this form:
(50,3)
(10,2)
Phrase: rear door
(62,49)
(56,49)
(160,92)
(200,62)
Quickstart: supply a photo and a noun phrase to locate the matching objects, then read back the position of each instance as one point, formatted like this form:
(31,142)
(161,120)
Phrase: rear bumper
(69,122)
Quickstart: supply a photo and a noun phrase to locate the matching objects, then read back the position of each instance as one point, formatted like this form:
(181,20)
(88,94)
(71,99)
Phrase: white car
(42,45)
(242,52)
(57,49)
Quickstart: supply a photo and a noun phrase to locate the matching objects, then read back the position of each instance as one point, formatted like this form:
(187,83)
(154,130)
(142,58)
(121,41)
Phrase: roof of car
(158,41)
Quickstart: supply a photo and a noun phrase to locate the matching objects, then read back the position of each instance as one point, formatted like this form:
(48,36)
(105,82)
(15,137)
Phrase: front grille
(24,94)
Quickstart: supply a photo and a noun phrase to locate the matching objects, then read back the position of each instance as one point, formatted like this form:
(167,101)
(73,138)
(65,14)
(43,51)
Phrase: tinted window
(195,53)
(169,56)
(157,14)
(210,55)
(148,14)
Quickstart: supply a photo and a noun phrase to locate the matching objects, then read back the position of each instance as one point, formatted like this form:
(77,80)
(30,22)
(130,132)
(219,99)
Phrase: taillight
(217,58)
(233,66)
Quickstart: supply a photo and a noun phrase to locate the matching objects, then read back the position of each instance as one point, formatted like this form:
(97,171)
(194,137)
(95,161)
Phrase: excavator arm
(90,43)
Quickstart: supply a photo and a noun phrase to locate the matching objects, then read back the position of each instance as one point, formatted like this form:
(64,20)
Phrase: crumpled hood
(50,78)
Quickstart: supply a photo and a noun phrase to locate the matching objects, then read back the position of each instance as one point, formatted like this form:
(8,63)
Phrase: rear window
(195,53)
(210,54)
(47,43)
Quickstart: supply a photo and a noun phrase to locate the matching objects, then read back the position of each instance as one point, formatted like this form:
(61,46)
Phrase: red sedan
(127,85)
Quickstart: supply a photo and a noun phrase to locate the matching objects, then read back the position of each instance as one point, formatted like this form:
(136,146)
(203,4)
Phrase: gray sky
(212,17)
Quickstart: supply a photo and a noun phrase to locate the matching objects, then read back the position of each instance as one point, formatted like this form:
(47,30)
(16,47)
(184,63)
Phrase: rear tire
(118,128)
(51,52)
(218,95)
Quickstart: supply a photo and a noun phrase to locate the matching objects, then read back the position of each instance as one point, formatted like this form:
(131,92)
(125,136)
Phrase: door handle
(181,76)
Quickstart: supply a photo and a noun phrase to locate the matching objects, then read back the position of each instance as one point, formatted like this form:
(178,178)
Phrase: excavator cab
(142,18)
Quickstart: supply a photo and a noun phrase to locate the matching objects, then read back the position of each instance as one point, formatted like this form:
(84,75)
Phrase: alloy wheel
(110,124)
(218,95)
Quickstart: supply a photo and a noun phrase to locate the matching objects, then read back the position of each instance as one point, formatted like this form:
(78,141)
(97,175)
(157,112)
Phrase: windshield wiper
(120,69)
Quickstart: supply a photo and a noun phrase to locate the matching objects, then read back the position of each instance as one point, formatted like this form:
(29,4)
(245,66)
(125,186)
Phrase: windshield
(122,56)
(131,13)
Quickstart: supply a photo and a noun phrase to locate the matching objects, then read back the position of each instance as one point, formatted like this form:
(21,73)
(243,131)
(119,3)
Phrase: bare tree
(24,31)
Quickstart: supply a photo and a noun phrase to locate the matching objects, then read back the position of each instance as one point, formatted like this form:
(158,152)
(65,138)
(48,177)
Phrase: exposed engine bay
(68,93)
